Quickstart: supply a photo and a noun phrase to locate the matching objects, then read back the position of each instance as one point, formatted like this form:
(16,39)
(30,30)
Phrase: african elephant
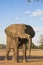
(18,34)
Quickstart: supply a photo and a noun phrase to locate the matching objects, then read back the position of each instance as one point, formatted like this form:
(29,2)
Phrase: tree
(41,39)
(41,42)
(41,46)
(2,46)
(34,46)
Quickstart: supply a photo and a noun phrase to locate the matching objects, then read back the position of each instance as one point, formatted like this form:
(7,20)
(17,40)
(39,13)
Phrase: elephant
(19,34)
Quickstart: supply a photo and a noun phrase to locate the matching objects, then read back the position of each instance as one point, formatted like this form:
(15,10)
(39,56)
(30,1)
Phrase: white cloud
(41,18)
(27,12)
(38,29)
(38,12)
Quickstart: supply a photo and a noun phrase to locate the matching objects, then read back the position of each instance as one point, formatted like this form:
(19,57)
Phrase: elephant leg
(30,42)
(24,52)
(7,50)
(16,54)
(7,47)
(16,50)
(7,54)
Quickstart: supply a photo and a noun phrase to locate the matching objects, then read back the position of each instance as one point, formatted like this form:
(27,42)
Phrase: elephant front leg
(24,52)
(7,48)
(16,50)
(16,54)
(30,42)
(7,53)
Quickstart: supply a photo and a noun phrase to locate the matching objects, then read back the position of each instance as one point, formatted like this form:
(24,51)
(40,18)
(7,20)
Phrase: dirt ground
(13,63)
(34,52)
(35,59)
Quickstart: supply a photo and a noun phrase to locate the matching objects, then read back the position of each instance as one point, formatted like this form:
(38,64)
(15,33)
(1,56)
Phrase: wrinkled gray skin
(17,37)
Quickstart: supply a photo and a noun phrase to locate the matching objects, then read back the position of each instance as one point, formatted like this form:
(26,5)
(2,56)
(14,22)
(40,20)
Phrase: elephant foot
(6,59)
(24,60)
(15,60)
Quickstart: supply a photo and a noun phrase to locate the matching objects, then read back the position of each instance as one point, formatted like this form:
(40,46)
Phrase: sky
(20,11)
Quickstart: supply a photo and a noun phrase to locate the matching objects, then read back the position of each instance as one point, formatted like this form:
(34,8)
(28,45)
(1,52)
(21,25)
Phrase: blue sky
(20,11)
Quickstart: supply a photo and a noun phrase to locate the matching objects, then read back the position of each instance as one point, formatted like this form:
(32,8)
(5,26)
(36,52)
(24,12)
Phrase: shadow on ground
(31,58)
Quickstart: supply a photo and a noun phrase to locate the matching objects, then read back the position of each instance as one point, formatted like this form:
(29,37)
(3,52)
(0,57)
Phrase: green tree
(41,46)
(41,42)
(34,46)
(2,46)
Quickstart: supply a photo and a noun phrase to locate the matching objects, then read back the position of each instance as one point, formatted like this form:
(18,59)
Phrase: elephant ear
(8,29)
(30,31)
(11,30)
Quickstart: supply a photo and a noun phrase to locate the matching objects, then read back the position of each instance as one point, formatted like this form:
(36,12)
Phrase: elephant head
(19,30)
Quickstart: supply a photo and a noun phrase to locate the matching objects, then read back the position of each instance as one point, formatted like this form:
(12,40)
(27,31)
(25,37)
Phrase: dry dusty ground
(36,58)
(28,63)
